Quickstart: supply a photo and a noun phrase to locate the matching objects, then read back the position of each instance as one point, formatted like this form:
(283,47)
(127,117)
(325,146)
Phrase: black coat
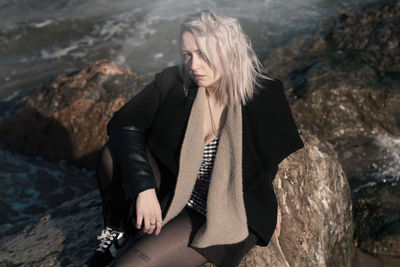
(160,113)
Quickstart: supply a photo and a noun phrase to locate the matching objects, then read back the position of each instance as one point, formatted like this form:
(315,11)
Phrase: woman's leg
(170,247)
(116,210)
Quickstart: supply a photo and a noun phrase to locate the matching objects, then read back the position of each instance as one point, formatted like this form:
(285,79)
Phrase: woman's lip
(198,76)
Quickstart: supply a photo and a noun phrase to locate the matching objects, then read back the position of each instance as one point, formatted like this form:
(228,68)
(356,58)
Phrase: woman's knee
(105,156)
(105,166)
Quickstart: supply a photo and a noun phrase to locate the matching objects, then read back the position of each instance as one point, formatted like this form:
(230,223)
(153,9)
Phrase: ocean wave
(32,185)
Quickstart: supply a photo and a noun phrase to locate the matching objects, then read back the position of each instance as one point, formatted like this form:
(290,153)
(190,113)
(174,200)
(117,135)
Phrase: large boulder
(343,86)
(377,219)
(66,118)
(315,201)
(343,80)
(316,207)
(312,191)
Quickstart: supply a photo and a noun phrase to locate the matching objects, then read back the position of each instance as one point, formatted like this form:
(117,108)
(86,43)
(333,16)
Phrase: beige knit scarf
(226,221)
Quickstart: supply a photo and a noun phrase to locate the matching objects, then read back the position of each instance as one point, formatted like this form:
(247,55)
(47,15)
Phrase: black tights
(169,248)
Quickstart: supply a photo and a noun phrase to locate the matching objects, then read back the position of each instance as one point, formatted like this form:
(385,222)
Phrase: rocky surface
(362,259)
(343,84)
(318,233)
(344,80)
(377,219)
(31,185)
(316,207)
(66,119)
(63,237)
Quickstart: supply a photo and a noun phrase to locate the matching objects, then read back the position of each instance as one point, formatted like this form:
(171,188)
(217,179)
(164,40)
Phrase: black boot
(109,243)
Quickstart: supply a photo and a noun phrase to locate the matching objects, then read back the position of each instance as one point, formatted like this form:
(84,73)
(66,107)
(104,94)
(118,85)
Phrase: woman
(187,172)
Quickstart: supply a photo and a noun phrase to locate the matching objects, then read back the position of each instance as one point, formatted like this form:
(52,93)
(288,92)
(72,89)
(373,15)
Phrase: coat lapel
(167,133)
(226,217)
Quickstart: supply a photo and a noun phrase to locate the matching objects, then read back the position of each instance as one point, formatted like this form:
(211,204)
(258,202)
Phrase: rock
(343,86)
(369,35)
(66,119)
(377,219)
(371,158)
(343,81)
(30,185)
(315,201)
(312,190)
(63,237)
(362,259)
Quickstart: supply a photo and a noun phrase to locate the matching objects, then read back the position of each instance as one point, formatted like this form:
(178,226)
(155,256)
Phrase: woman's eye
(203,57)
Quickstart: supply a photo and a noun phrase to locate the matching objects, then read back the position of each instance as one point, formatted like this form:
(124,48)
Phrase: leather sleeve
(141,110)
(128,129)
(129,146)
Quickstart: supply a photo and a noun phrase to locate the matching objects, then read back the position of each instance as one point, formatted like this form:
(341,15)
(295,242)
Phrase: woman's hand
(148,209)
(278,223)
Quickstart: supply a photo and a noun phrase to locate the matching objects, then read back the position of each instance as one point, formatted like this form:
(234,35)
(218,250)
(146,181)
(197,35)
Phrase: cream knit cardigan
(226,221)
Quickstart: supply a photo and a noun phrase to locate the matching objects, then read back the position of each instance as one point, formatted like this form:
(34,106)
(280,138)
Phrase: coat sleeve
(127,131)
(287,138)
(279,136)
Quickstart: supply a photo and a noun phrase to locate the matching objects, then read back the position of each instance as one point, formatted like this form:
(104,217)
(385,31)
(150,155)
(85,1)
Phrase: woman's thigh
(170,247)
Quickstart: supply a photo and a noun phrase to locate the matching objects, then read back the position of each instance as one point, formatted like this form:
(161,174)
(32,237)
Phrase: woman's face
(198,67)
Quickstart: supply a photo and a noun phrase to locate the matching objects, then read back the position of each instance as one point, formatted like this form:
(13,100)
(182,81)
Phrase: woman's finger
(139,219)
(159,226)
(146,224)
(153,225)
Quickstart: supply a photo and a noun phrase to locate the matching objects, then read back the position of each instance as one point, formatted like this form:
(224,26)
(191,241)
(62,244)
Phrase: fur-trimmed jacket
(147,134)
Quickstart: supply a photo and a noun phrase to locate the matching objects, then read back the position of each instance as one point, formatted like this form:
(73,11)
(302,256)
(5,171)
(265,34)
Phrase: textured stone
(377,219)
(315,201)
(343,85)
(66,119)
(343,80)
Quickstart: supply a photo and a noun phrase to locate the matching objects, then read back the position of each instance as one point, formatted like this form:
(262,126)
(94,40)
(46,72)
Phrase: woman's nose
(196,62)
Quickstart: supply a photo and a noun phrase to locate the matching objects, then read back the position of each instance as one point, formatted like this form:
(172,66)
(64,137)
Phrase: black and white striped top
(198,199)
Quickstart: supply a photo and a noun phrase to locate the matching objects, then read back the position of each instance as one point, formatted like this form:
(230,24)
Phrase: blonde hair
(228,51)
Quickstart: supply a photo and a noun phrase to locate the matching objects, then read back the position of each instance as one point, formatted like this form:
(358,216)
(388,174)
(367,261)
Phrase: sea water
(41,39)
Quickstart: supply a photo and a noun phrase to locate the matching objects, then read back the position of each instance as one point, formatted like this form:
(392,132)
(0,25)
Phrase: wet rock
(312,190)
(371,158)
(370,34)
(343,80)
(31,185)
(315,201)
(377,219)
(66,119)
(343,86)
(63,237)
(362,259)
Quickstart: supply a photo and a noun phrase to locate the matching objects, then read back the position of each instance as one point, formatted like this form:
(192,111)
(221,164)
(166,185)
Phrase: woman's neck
(212,95)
